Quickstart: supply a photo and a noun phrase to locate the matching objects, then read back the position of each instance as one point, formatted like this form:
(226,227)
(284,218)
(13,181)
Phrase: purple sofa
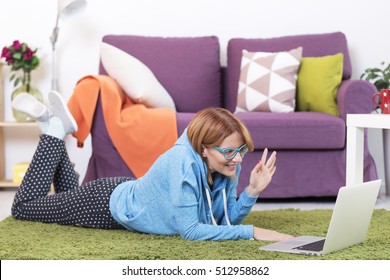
(310,146)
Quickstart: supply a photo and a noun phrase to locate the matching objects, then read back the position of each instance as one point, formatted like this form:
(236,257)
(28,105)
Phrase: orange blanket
(139,134)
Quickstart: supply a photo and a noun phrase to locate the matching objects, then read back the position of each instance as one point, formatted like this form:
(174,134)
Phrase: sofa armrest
(354,97)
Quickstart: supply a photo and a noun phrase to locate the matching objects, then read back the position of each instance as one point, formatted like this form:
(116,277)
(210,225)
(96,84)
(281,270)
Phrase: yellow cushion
(318,81)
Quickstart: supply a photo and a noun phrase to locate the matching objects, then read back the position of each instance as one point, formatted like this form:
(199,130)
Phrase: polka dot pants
(86,205)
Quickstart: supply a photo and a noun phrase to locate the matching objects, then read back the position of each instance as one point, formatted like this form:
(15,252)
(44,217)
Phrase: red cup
(384,98)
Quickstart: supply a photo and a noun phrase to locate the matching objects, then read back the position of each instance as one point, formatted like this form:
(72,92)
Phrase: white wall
(363,22)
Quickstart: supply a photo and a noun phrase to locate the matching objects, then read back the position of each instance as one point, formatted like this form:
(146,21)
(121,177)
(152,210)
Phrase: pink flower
(16,45)
(28,54)
(6,53)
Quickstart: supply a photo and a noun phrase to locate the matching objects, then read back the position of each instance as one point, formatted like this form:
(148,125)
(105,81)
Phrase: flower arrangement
(20,57)
(23,59)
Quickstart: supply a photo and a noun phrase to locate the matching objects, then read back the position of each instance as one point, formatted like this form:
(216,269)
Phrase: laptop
(348,226)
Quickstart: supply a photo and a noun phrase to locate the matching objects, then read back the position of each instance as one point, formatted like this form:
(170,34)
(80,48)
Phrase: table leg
(355,155)
(386,157)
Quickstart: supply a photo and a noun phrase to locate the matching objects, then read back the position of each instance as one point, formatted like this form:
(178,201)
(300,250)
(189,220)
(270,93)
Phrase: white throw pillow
(135,78)
(268,81)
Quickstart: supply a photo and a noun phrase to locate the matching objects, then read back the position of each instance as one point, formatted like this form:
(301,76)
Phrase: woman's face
(216,160)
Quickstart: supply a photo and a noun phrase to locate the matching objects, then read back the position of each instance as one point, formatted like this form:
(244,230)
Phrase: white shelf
(8,184)
(18,124)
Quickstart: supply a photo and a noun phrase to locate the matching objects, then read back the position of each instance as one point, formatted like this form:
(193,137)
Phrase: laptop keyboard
(316,246)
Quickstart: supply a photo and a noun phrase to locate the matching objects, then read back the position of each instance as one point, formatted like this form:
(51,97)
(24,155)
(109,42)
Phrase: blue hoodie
(171,198)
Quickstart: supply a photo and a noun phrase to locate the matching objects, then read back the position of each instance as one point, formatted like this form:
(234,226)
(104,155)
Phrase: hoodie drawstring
(224,207)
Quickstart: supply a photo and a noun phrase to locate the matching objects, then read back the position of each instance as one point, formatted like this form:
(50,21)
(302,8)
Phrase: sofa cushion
(319,79)
(313,45)
(268,81)
(135,78)
(188,68)
(299,130)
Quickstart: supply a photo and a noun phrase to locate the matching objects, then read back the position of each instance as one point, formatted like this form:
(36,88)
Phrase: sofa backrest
(188,68)
(314,45)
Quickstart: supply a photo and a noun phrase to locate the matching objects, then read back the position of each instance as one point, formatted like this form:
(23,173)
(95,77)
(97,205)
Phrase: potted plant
(379,77)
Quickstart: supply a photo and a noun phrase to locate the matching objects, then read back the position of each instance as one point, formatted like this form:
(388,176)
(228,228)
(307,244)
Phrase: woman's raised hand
(262,173)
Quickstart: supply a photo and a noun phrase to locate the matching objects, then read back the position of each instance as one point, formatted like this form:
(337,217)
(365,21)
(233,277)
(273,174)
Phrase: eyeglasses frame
(236,151)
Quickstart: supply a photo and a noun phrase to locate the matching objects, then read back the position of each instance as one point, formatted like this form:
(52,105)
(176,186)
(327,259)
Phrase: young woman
(190,190)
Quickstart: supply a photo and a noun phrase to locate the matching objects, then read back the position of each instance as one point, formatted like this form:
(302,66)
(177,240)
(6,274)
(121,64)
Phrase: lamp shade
(69,7)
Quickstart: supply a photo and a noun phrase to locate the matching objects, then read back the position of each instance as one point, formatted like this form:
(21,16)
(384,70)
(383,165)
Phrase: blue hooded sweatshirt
(171,198)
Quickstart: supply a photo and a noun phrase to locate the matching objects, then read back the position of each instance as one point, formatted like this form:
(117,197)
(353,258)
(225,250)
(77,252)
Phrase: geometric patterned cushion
(268,81)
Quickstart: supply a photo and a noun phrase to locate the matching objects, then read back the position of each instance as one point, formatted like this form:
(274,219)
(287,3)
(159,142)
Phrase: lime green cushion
(318,81)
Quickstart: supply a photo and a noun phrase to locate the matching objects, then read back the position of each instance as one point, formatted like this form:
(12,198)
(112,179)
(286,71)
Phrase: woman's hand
(269,235)
(262,173)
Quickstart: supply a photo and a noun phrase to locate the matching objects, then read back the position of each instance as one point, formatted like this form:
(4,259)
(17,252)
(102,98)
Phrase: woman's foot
(28,104)
(61,121)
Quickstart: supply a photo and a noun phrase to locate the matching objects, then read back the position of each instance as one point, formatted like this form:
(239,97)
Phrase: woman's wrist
(252,191)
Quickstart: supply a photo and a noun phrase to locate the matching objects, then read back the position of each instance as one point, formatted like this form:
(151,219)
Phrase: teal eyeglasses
(230,153)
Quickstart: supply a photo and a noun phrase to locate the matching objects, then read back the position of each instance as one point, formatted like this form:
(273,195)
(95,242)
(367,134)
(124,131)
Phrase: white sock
(55,128)
(43,124)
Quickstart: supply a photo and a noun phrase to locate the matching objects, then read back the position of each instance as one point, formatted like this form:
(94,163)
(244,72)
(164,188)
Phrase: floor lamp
(65,8)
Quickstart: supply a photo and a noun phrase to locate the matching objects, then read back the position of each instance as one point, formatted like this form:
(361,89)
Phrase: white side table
(355,145)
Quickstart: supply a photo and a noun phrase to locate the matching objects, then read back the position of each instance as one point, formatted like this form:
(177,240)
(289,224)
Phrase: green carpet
(32,240)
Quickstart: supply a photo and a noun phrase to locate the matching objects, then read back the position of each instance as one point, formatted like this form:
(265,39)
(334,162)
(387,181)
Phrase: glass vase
(25,88)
